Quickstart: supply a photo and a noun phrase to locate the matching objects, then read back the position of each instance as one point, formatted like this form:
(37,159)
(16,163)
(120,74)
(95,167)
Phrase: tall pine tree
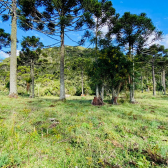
(58,18)
(29,55)
(133,31)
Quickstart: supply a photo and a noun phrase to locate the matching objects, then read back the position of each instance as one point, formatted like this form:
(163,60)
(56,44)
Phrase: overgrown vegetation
(46,132)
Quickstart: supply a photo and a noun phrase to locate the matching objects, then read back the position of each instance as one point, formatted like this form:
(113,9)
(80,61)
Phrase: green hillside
(47,74)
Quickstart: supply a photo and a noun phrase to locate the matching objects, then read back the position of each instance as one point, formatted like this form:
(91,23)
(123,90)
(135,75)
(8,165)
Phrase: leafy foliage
(4,39)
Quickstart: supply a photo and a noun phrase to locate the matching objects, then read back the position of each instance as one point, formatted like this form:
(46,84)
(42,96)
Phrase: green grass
(82,135)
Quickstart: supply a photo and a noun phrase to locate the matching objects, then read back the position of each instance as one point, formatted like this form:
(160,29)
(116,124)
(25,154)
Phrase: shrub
(71,90)
(21,90)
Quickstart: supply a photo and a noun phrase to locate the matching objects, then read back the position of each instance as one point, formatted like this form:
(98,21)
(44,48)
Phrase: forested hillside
(78,62)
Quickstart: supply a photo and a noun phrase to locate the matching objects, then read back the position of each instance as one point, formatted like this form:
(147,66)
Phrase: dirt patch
(52,105)
(154,157)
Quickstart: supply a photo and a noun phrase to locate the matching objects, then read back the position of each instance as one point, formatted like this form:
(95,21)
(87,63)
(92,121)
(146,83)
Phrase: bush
(159,87)
(50,88)
(71,90)
(21,90)
(7,85)
(88,90)
(2,88)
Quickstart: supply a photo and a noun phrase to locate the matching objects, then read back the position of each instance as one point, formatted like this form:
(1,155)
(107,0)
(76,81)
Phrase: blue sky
(156,10)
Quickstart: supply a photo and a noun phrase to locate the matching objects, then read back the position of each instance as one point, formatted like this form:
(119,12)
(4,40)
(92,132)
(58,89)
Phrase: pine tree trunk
(153,77)
(130,93)
(161,82)
(114,96)
(28,87)
(164,84)
(142,82)
(97,91)
(13,57)
(133,82)
(38,91)
(132,78)
(161,78)
(32,77)
(97,87)
(118,89)
(96,34)
(82,82)
(147,83)
(62,85)
(102,93)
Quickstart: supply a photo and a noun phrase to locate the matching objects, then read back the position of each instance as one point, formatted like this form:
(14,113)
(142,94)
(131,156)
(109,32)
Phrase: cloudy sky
(156,10)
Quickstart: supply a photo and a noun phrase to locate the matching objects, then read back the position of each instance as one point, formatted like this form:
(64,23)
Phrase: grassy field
(44,132)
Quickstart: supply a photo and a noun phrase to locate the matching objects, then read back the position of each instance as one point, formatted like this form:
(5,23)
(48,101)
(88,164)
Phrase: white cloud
(149,41)
(121,1)
(17,52)
(3,55)
(104,29)
(164,41)
(166,18)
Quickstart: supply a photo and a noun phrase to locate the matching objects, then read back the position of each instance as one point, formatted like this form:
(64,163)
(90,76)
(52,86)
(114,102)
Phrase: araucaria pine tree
(31,50)
(58,18)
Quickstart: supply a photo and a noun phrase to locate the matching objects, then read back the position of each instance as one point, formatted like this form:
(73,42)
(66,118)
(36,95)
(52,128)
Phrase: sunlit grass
(45,132)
